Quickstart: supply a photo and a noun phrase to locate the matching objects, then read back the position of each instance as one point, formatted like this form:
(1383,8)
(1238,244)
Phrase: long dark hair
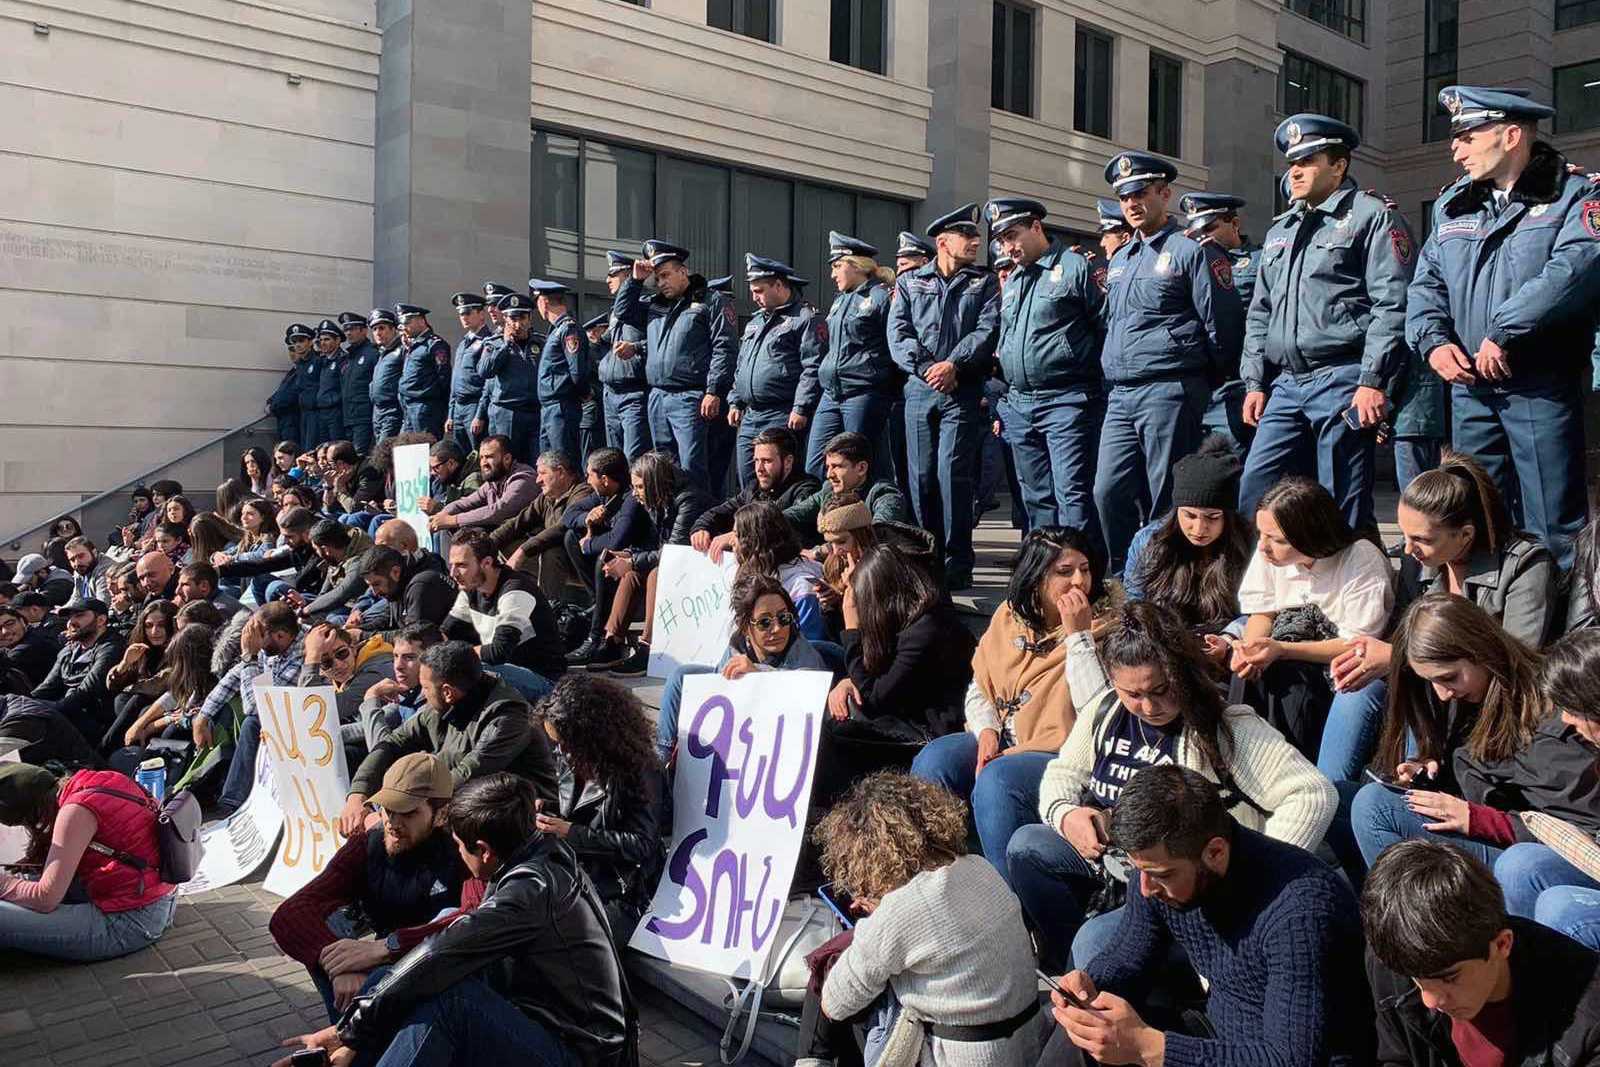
(263,462)
(890,594)
(269,523)
(1035,557)
(766,539)
(1310,519)
(1460,493)
(39,819)
(1440,628)
(188,665)
(1570,675)
(230,494)
(152,659)
(210,532)
(1147,634)
(661,476)
(1201,584)
(603,731)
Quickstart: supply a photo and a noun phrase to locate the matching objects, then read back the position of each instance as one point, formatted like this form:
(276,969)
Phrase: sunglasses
(782,620)
(339,655)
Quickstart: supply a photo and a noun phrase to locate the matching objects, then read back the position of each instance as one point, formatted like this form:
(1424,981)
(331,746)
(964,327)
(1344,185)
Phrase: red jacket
(127,825)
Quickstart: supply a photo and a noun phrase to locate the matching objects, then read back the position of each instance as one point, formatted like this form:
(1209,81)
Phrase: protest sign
(411,484)
(692,619)
(13,839)
(234,847)
(300,728)
(747,750)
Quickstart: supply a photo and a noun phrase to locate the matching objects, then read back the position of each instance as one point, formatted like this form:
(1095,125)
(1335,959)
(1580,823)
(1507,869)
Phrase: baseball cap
(412,779)
(30,565)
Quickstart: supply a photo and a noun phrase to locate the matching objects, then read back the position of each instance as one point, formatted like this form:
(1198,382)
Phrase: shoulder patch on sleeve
(441,353)
(1384,197)
(1589,212)
(730,313)
(1400,241)
(570,342)
(820,326)
(1222,272)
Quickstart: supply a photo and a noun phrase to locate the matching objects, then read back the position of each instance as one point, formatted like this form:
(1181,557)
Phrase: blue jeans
(1055,441)
(1004,797)
(942,449)
(531,684)
(471,1023)
(752,422)
(1350,736)
(1528,870)
(82,932)
(1303,432)
(1414,456)
(242,770)
(676,426)
(1573,911)
(1526,437)
(1054,884)
(671,699)
(1379,818)
(627,427)
(867,414)
(1096,935)
(558,427)
(1148,428)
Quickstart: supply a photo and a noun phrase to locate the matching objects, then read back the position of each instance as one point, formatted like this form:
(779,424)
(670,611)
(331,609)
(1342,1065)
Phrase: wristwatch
(392,943)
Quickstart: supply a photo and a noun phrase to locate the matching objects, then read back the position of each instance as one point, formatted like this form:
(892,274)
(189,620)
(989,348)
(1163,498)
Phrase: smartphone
(1352,418)
(309,1057)
(1388,783)
(839,903)
(1070,997)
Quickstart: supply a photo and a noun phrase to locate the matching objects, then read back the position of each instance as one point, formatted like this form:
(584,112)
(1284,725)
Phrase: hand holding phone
(1388,783)
(1064,993)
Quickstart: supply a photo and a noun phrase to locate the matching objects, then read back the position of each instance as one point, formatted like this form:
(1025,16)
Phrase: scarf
(1024,677)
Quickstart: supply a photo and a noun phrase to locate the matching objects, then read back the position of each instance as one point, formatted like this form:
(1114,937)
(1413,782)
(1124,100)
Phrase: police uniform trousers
(866,414)
(943,443)
(330,424)
(559,425)
(288,426)
(627,422)
(721,440)
(1148,427)
(1303,432)
(676,426)
(591,428)
(751,423)
(1225,415)
(385,423)
(358,424)
(462,412)
(1055,441)
(520,425)
(423,416)
(1529,437)
(310,427)
(1008,463)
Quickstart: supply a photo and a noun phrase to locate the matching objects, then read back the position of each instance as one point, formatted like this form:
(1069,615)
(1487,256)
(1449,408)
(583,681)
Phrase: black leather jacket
(674,522)
(617,837)
(539,939)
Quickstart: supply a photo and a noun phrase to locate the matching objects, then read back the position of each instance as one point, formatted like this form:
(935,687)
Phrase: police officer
(854,383)
(689,353)
(783,337)
(592,429)
(1503,305)
(723,285)
(1215,217)
(355,387)
(911,251)
(563,370)
(284,404)
(330,381)
(1326,327)
(493,293)
(466,379)
(510,401)
(425,381)
(621,371)
(943,327)
(387,414)
(1114,233)
(1172,320)
(306,382)
(1049,356)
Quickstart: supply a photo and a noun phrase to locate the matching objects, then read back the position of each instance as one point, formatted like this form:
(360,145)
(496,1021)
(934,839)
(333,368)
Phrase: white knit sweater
(1299,800)
(952,946)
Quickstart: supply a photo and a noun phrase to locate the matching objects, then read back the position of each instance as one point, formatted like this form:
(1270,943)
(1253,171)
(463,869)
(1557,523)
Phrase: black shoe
(637,663)
(579,657)
(608,655)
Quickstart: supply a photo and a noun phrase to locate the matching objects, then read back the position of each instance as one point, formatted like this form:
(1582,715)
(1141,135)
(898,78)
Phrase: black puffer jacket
(539,939)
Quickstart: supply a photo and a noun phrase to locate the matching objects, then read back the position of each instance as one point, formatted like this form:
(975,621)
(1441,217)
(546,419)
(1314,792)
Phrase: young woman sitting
(1019,708)
(767,544)
(1458,538)
(137,680)
(186,672)
(845,524)
(84,904)
(1311,588)
(1146,699)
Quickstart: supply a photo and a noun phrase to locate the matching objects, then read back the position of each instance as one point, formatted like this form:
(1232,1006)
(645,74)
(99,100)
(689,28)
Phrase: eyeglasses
(782,620)
(339,655)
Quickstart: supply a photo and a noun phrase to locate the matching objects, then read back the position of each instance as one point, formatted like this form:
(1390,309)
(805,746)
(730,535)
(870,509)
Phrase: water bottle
(152,774)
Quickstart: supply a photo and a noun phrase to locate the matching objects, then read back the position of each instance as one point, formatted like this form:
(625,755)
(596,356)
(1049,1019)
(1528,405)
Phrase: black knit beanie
(1209,478)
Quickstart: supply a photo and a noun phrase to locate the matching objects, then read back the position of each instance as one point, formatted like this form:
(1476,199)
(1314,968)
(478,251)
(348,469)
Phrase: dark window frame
(1319,80)
(1013,71)
(1346,17)
(1565,109)
(857,22)
(1441,58)
(1082,121)
(1156,141)
(1571,14)
(739,18)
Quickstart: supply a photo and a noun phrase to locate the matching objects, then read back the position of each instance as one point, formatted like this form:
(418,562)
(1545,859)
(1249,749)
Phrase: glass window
(1439,56)
(753,18)
(1427,219)
(1570,13)
(879,222)
(619,203)
(856,31)
(694,212)
(1306,85)
(1011,87)
(763,223)
(555,206)
(1348,17)
(1091,105)
(818,210)
(1577,98)
(1166,104)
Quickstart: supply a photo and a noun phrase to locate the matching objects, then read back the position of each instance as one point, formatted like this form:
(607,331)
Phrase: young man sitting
(499,611)
(847,459)
(528,976)
(1455,980)
(401,873)
(388,703)
(779,477)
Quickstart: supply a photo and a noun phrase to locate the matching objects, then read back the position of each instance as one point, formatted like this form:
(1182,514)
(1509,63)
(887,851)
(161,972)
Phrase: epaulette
(1086,253)
(1577,171)
(1384,197)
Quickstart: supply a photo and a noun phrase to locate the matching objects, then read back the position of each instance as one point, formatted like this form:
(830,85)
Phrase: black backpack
(177,835)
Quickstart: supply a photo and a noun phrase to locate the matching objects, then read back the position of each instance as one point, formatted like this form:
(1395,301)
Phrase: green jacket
(882,499)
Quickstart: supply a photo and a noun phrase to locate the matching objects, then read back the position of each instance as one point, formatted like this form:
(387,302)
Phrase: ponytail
(1458,493)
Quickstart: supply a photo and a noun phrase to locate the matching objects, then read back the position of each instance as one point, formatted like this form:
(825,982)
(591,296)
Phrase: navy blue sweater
(1279,941)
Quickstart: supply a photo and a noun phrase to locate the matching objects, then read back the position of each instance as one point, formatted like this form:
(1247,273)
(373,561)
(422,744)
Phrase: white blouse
(1353,587)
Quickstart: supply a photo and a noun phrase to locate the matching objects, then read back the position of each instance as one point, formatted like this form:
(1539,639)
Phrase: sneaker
(579,657)
(608,655)
(637,663)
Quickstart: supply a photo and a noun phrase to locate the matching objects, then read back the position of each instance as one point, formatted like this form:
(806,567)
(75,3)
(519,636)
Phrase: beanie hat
(1209,478)
(843,519)
(20,785)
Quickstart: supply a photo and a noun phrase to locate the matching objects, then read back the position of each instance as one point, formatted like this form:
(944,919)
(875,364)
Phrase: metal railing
(199,470)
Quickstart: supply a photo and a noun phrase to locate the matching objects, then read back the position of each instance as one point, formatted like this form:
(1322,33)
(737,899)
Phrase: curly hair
(766,539)
(603,730)
(889,828)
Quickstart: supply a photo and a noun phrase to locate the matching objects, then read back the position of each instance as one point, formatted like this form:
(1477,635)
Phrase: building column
(960,55)
(1240,115)
(454,149)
